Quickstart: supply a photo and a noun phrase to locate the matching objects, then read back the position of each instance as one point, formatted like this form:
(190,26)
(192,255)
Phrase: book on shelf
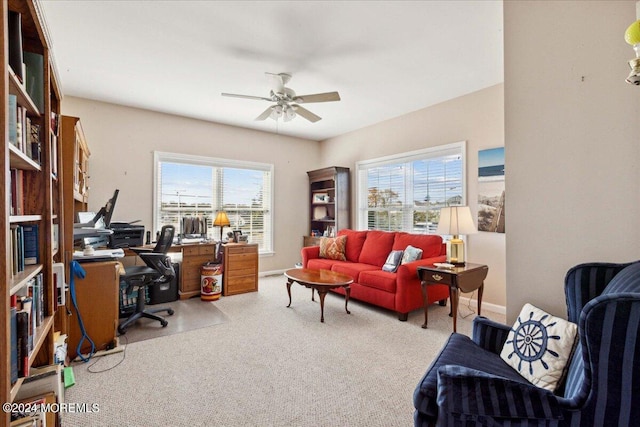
(17,248)
(22,328)
(37,294)
(15,44)
(13,120)
(17,192)
(14,342)
(34,143)
(31,244)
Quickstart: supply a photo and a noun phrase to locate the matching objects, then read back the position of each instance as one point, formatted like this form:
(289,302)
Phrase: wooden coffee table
(320,280)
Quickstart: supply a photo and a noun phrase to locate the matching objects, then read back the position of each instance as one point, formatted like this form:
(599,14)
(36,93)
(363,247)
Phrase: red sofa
(366,253)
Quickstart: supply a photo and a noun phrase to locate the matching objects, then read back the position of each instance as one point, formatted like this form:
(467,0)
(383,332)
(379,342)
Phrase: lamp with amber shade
(454,221)
(222,220)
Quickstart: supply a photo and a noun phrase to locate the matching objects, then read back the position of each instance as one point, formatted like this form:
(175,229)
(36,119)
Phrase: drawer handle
(436,277)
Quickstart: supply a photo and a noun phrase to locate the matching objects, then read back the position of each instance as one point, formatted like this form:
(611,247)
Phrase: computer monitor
(105,213)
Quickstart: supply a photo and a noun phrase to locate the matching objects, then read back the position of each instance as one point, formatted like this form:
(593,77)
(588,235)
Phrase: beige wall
(122,141)
(477,118)
(572,148)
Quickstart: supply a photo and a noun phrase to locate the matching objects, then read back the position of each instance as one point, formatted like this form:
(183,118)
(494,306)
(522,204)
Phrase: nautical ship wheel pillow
(539,346)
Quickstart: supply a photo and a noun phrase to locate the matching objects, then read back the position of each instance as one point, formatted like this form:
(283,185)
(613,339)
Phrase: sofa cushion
(321,263)
(430,244)
(393,261)
(355,240)
(333,248)
(539,346)
(378,279)
(376,247)
(459,350)
(352,269)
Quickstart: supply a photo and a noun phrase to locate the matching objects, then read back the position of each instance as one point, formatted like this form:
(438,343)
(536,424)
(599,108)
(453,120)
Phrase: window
(405,192)
(197,187)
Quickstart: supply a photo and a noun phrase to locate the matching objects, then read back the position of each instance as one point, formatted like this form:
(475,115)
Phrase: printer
(126,235)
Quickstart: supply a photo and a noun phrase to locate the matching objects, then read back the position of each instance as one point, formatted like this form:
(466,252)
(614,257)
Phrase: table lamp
(454,221)
(222,220)
(632,36)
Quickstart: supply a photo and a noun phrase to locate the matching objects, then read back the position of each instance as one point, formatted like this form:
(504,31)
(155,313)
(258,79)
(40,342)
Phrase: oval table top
(318,277)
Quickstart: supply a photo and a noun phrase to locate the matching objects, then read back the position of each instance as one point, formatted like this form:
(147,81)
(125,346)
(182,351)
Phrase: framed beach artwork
(491,190)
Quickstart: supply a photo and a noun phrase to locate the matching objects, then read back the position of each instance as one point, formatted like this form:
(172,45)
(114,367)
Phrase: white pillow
(392,262)
(411,254)
(539,346)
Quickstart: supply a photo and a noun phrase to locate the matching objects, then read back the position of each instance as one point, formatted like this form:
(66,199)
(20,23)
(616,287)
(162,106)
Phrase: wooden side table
(466,278)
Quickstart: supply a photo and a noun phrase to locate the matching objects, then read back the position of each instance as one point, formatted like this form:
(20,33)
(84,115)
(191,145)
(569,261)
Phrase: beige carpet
(268,365)
(189,314)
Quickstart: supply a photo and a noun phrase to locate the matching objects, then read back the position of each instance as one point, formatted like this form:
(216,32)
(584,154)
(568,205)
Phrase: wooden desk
(467,278)
(97,296)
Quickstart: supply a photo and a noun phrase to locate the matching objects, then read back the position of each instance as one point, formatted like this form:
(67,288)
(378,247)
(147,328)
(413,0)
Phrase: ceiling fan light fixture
(289,114)
(276,112)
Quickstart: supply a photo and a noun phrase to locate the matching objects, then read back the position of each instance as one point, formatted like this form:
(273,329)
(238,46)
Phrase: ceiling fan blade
(233,95)
(306,113)
(318,97)
(265,114)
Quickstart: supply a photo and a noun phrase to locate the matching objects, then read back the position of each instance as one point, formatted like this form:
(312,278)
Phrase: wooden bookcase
(74,164)
(41,193)
(329,201)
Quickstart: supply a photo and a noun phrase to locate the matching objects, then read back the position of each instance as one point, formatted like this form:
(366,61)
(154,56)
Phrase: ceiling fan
(286,101)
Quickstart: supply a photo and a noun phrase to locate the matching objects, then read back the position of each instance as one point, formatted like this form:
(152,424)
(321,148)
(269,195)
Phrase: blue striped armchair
(468,384)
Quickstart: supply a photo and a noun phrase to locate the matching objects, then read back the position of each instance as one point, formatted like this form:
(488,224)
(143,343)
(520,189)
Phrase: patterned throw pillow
(539,346)
(411,254)
(392,262)
(333,248)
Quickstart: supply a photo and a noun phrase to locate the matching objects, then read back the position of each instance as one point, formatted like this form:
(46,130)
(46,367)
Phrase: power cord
(471,310)
(78,271)
(104,355)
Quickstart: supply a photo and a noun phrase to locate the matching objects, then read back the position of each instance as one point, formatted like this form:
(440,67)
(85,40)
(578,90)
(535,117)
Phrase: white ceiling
(385,58)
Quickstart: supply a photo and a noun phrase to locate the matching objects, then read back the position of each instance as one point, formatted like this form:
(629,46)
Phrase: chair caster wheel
(164,324)
(121,331)
(170,311)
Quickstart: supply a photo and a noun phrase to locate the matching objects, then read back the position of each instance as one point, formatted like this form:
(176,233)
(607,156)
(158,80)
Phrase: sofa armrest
(309,252)
(409,271)
(488,334)
(465,393)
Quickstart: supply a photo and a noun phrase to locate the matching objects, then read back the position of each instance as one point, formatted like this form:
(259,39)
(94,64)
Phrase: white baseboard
(272,273)
(495,308)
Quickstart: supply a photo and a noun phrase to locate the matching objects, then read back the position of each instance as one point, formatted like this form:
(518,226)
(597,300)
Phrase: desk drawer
(189,251)
(436,277)
(238,285)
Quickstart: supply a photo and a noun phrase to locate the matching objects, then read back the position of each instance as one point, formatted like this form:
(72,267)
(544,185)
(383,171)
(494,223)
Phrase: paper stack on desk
(99,254)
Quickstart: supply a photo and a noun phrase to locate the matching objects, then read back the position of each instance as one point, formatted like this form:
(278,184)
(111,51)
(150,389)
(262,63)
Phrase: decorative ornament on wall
(491,190)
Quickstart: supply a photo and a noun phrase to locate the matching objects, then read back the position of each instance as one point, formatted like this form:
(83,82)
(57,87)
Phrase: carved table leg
(347,293)
(289,282)
(455,296)
(480,289)
(322,294)
(425,303)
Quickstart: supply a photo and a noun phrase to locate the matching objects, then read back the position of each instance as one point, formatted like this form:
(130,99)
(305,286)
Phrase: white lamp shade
(456,220)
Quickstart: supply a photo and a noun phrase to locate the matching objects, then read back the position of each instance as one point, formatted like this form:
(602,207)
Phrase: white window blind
(198,187)
(405,192)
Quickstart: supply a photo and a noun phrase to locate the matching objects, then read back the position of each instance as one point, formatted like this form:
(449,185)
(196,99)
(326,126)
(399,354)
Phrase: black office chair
(158,270)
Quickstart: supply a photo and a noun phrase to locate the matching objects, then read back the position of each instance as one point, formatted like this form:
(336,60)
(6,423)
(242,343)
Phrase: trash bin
(210,282)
